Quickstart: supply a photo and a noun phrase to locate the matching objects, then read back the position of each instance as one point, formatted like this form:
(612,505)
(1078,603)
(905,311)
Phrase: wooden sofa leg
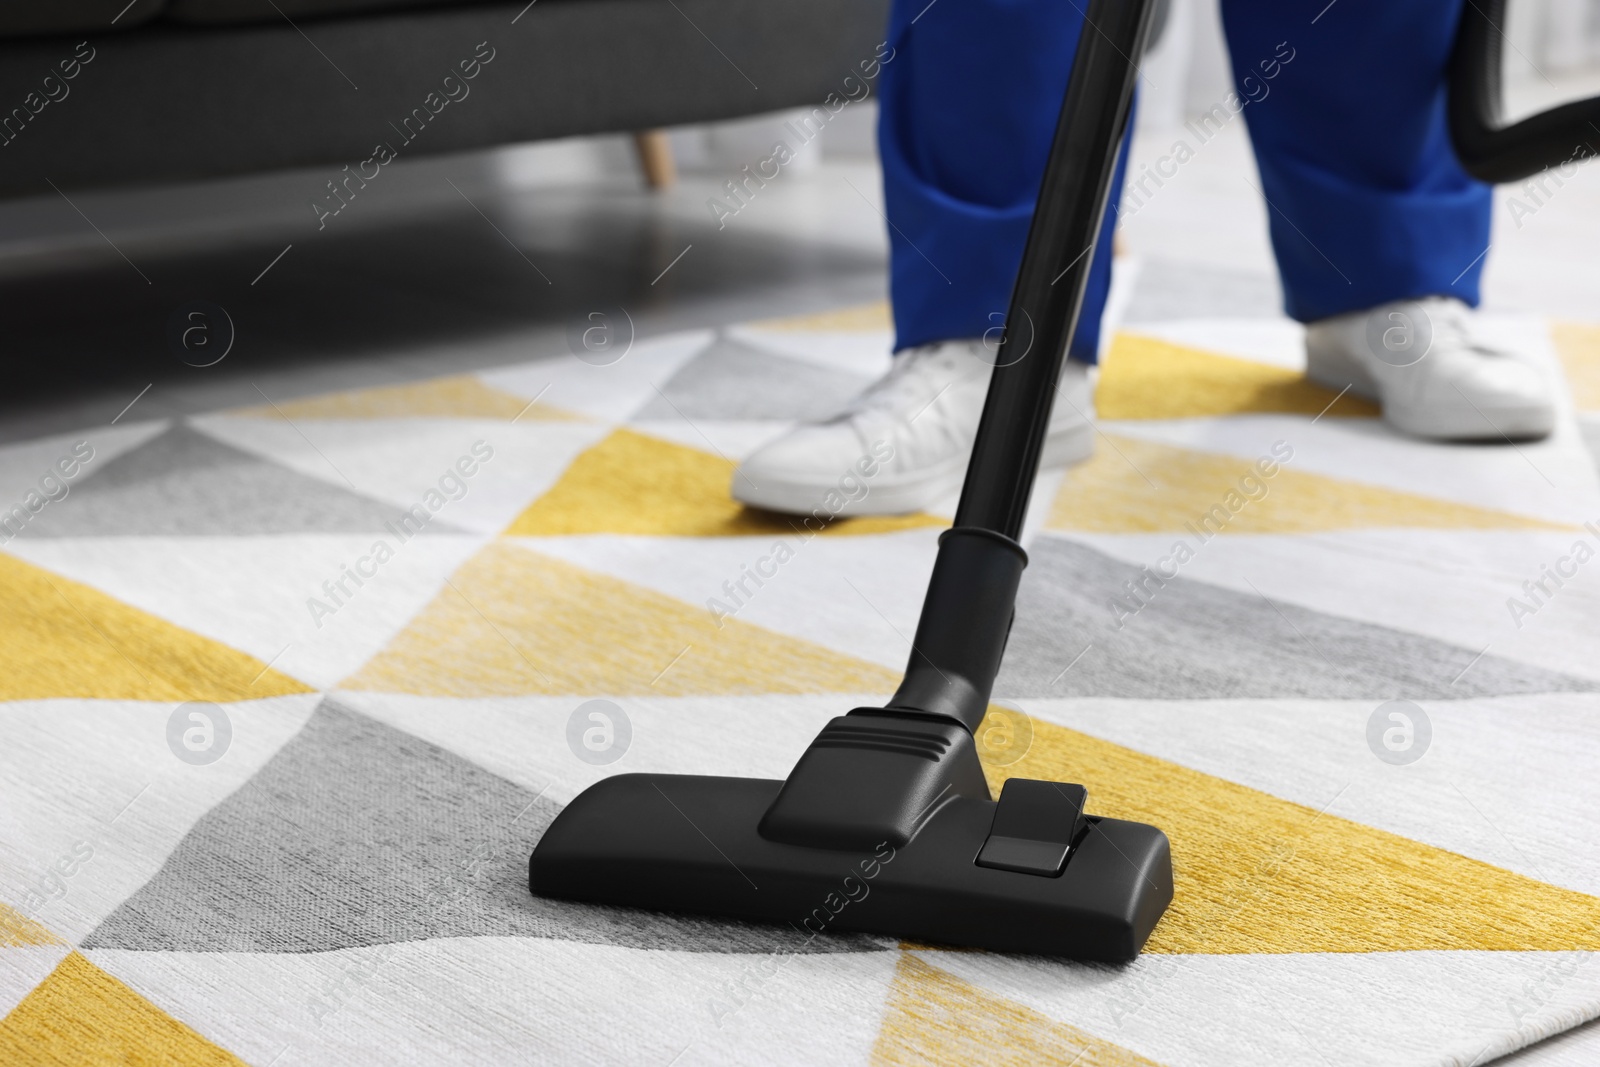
(655,158)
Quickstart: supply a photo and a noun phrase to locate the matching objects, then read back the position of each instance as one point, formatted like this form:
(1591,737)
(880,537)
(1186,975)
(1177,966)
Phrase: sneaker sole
(1064,446)
(1472,424)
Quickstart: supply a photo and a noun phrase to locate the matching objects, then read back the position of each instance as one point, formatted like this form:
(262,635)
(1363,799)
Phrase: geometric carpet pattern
(290,692)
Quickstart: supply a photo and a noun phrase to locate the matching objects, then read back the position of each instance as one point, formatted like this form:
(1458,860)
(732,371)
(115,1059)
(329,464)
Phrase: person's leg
(970,97)
(968,109)
(1366,199)
(1379,234)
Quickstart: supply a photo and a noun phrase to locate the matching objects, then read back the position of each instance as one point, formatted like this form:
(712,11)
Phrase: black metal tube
(1055,267)
(966,616)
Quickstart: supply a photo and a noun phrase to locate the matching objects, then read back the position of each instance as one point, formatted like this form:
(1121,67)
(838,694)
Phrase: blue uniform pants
(1366,199)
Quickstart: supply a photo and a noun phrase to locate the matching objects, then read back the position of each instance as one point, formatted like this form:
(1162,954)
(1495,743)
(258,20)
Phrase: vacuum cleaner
(886,824)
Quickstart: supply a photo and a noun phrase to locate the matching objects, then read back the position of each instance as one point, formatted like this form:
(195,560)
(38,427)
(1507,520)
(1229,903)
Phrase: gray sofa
(97,93)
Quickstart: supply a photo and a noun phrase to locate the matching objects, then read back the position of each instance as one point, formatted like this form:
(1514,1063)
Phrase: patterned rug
(289,693)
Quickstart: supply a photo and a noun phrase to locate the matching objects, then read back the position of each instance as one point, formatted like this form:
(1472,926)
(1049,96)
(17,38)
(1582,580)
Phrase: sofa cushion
(270,100)
(35,18)
(234,12)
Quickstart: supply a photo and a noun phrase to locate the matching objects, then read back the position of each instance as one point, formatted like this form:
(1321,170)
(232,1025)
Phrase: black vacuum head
(919,850)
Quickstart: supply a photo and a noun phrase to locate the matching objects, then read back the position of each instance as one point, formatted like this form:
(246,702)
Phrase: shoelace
(901,397)
(1448,321)
(904,386)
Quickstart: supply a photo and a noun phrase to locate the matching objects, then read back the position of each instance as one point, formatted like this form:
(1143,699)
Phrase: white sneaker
(903,444)
(1418,359)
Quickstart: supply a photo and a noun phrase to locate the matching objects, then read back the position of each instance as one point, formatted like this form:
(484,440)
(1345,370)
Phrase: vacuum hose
(1489,151)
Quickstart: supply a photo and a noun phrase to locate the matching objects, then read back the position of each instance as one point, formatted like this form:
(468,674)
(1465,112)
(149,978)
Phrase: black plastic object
(966,618)
(1488,150)
(886,824)
(1036,826)
(689,843)
(874,777)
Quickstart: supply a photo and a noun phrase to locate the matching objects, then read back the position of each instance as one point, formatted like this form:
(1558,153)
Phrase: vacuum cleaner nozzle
(886,824)
(885,827)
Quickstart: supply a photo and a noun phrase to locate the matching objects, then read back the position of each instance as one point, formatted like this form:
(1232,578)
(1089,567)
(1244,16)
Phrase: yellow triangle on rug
(60,638)
(1578,344)
(858,318)
(1148,378)
(514,621)
(632,483)
(935,1017)
(461,396)
(1259,874)
(80,1014)
(18,931)
(1139,486)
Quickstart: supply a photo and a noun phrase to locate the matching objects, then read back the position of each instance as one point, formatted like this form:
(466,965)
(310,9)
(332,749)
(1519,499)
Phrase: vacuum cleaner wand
(886,824)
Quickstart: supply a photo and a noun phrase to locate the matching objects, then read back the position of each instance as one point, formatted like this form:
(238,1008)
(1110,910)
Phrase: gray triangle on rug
(357,834)
(1196,641)
(185,482)
(734,380)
